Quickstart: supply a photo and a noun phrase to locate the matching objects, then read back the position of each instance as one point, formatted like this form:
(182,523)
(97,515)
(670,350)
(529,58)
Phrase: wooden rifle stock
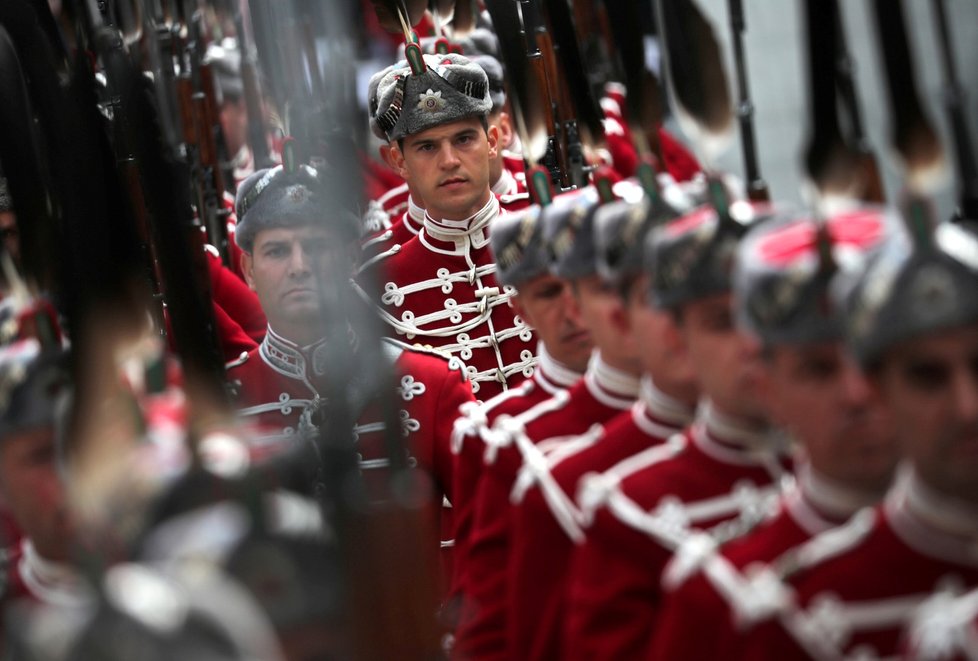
(556,103)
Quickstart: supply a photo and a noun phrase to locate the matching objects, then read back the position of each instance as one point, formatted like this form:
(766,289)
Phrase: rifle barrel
(756,186)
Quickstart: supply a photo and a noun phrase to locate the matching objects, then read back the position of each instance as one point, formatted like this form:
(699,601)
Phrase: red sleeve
(455,392)
(482,627)
(234,341)
(613,591)
(538,563)
(686,613)
(236,299)
(468,473)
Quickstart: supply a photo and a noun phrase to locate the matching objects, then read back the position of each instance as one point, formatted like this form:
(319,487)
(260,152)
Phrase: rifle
(257,135)
(873,180)
(757,189)
(201,126)
(954,105)
(529,100)
(586,115)
(542,65)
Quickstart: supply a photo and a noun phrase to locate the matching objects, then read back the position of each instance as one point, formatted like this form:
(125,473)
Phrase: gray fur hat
(620,229)
(497,83)
(569,235)
(285,197)
(32,384)
(488,61)
(480,41)
(430,90)
(6,202)
(692,256)
(786,268)
(372,101)
(913,287)
(619,233)
(517,243)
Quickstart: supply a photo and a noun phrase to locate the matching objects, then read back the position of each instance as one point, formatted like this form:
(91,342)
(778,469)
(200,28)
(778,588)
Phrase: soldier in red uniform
(39,571)
(563,351)
(547,521)
(718,475)
(284,237)
(817,393)
(440,288)
(397,216)
(912,323)
(609,387)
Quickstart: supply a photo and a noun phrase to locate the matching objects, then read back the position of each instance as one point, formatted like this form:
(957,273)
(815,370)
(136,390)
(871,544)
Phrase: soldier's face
(33,492)
(601,311)
(659,347)
(545,303)
(818,393)
(286,267)
(725,360)
(930,386)
(449,166)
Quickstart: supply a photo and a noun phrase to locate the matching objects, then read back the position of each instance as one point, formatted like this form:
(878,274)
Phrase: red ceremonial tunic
(275,387)
(600,395)
(472,435)
(440,289)
(716,477)
(547,522)
(851,592)
(718,596)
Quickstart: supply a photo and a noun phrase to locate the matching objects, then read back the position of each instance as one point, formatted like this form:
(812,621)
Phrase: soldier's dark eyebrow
(273,244)
(464,133)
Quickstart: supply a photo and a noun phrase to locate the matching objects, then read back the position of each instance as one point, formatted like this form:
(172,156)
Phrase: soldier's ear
(385,155)
(492,135)
(397,159)
(505,125)
(247,268)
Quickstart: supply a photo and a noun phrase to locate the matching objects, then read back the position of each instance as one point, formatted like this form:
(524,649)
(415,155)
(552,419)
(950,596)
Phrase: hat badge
(431,101)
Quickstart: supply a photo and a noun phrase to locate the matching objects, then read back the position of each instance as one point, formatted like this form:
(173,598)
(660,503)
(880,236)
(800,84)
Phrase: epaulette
(375,218)
(510,430)
(240,360)
(454,362)
(212,250)
(474,416)
(390,252)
